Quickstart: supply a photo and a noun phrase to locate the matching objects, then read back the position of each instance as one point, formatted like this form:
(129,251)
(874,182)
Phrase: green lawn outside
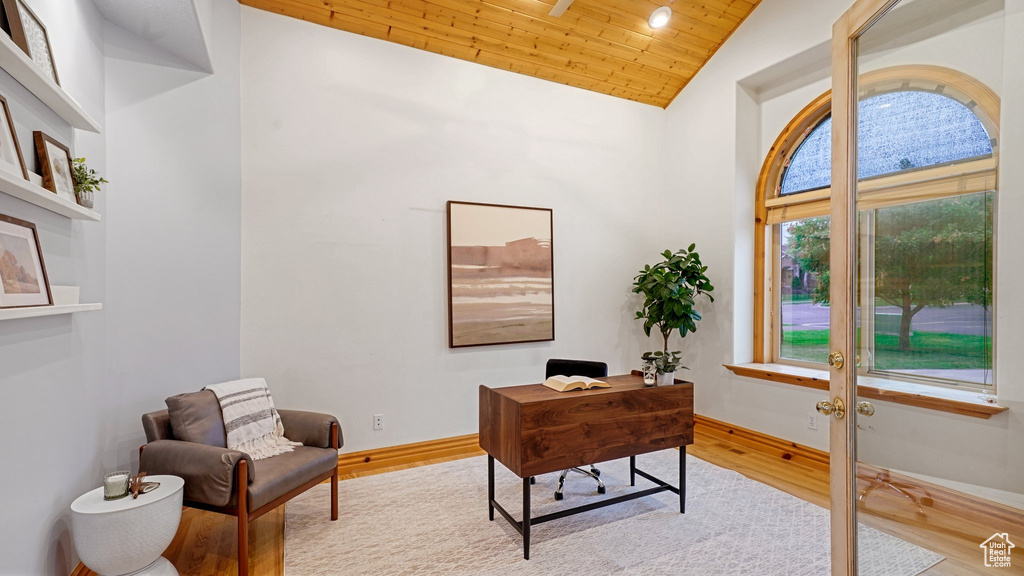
(806,345)
(930,350)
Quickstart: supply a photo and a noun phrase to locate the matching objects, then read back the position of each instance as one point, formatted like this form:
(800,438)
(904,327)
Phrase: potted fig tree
(670,289)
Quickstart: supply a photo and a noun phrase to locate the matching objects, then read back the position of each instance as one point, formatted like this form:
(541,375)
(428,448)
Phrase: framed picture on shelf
(500,274)
(10,151)
(23,280)
(29,34)
(55,164)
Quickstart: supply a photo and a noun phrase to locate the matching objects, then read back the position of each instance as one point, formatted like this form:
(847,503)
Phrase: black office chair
(577,368)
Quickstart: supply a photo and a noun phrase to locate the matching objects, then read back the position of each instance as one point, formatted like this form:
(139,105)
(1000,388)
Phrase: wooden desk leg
(490,487)
(526,518)
(682,479)
(632,470)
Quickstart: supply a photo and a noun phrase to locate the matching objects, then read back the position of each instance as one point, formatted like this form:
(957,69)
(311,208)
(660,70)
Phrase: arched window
(810,167)
(899,131)
(927,159)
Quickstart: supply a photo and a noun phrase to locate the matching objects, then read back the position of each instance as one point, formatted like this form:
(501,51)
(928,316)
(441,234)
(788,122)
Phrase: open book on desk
(565,383)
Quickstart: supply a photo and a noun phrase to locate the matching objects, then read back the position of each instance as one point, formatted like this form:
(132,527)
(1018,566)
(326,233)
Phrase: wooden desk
(534,430)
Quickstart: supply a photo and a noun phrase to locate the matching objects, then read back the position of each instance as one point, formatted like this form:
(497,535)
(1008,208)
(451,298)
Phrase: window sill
(962,402)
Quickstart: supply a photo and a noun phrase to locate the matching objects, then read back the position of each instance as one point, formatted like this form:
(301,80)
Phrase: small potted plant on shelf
(87,182)
(670,289)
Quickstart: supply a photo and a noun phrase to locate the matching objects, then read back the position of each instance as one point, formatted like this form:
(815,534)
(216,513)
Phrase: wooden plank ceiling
(600,45)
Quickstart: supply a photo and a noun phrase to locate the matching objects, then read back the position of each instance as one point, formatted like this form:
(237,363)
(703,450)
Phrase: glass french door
(927,427)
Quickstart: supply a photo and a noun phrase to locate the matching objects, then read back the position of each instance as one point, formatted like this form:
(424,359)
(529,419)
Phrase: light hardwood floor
(955,535)
(205,543)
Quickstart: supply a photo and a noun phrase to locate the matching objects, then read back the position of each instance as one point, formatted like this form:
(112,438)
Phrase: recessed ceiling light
(660,17)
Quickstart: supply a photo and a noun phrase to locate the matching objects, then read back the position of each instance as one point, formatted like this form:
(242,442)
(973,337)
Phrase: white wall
(174,231)
(164,261)
(715,153)
(719,131)
(351,147)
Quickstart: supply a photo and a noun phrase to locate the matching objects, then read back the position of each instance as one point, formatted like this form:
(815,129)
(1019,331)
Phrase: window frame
(772,209)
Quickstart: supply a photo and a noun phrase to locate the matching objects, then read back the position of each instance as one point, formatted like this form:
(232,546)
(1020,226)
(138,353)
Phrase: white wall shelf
(15,185)
(34,312)
(24,70)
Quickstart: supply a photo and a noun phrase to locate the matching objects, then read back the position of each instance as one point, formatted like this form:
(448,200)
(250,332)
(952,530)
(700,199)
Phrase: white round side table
(126,536)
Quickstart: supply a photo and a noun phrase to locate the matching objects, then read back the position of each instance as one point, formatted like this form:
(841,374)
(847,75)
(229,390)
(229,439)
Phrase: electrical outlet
(378,421)
(812,420)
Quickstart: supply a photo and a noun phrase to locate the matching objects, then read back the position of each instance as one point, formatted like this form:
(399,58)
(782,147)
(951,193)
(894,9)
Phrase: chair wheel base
(600,490)
(558,495)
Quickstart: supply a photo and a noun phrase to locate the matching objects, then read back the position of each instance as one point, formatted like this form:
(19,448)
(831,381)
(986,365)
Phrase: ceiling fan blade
(560,8)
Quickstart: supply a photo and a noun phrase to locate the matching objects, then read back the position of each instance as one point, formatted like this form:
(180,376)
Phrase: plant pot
(85,199)
(666,378)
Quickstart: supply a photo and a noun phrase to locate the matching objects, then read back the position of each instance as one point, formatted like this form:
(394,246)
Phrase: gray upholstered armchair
(188,440)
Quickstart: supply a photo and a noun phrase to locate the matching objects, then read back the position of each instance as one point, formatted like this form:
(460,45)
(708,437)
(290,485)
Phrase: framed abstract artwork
(500,274)
(23,280)
(29,34)
(55,164)
(11,159)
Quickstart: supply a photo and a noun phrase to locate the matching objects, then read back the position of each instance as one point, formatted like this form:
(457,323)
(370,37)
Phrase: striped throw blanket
(252,423)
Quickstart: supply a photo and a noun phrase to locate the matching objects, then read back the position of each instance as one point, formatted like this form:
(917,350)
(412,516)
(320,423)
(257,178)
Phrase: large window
(927,152)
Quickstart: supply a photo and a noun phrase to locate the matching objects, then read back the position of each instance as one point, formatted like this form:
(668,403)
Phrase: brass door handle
(836,360)
(836,408)
(865,408)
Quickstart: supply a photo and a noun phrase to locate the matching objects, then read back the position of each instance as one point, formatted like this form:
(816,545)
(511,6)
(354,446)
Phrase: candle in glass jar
(115,485)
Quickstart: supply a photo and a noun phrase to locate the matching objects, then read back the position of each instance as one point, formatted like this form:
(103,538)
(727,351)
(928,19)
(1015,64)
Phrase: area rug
(432,520)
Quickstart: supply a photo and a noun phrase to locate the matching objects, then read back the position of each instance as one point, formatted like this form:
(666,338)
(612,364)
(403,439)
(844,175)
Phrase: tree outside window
(934,256)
